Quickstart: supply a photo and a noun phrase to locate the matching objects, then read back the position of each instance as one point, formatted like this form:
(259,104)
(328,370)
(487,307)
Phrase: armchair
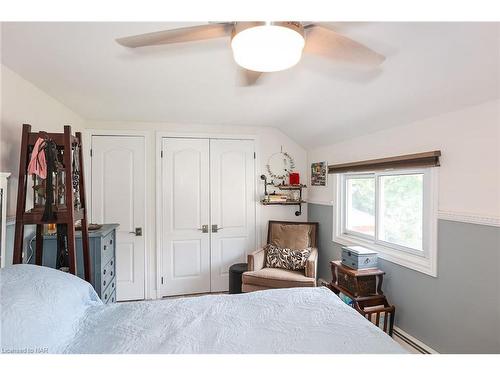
(284,234)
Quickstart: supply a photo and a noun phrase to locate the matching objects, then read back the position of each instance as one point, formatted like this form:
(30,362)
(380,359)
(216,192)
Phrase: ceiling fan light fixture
(268,48)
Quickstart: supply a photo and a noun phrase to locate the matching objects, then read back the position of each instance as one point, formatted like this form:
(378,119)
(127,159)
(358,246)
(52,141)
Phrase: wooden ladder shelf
(66,214)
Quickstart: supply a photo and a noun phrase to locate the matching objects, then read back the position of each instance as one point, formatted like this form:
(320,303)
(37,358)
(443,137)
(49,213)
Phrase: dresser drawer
(112,299)
(108,247)
(109,295)
(108,274)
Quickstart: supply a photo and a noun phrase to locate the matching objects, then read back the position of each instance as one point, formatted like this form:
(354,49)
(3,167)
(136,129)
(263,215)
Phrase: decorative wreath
(276,174)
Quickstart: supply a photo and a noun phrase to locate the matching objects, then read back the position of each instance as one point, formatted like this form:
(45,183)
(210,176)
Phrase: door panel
(118,196)
(186,186)
(185,249)
(125,264)
(232,183)
(187,258)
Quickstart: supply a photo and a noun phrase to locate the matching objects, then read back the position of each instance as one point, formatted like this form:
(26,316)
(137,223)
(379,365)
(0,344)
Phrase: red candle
(294,178)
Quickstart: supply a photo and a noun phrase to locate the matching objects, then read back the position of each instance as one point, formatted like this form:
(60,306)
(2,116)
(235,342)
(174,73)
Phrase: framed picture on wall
(319,172)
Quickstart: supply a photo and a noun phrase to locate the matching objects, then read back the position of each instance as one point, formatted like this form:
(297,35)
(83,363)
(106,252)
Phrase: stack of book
(277,198)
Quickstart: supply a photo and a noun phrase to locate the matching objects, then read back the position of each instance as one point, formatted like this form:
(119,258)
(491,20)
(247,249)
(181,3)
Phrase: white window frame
(424,261)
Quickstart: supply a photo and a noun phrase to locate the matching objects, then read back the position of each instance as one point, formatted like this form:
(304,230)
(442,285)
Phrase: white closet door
(185,249)
(232,181)
(118,196)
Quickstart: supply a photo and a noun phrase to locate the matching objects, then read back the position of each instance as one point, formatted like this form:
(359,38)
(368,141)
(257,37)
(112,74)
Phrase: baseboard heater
(412,341)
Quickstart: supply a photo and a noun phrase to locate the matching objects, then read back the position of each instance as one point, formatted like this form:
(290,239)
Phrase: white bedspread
(299,320)
(47,311)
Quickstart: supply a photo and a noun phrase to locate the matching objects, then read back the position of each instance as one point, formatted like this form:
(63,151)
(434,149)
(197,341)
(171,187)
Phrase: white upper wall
(24,103)
(469,140)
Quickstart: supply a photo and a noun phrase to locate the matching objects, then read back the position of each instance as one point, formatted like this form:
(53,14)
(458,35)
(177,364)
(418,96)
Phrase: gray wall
(456,312)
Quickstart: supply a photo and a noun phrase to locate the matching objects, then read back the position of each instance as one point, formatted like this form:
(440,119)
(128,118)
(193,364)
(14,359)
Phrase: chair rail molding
(462,217)
(470,218)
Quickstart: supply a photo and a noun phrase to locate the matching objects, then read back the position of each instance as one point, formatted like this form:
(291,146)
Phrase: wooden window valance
(423,159)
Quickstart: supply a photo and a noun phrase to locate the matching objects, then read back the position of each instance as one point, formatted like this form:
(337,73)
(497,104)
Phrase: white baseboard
(414,342)
(322,282)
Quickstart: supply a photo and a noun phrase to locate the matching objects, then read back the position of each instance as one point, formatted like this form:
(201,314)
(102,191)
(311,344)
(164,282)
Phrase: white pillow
(41,308)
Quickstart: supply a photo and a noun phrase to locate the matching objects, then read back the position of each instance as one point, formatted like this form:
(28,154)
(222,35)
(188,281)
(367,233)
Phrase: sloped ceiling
(431,68)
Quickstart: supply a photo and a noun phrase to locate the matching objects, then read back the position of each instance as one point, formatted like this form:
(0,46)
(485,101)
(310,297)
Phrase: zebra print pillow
(286,258)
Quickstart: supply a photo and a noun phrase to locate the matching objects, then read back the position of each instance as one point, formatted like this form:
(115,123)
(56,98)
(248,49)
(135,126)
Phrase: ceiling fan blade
(248,77)
(181,35)
(325,42)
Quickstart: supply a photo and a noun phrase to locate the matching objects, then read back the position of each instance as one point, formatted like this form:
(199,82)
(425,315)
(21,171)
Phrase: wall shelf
(287,203)
(298,202)
(290,187)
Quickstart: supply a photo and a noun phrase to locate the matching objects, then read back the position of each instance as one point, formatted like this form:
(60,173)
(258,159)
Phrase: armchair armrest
(312,264)
(256,260)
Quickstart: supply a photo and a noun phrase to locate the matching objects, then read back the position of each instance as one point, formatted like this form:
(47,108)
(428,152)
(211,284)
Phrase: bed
(45,310)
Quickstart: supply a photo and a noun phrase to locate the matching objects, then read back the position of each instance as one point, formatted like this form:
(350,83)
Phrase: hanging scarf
(37,163)
(76,177)
(52,163)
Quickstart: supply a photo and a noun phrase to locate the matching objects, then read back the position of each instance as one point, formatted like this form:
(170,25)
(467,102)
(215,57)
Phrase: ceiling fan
(263,47)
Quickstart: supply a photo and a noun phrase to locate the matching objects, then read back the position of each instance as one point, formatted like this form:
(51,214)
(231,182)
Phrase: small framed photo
(319,172)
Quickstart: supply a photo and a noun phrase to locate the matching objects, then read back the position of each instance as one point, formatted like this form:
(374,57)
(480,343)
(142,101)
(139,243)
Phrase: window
(360,206)
(391,212)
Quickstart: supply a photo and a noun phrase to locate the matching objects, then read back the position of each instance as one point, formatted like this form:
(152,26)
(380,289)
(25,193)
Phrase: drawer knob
(104,272)
(105,247)
(111,263)
(113,285)
(113,299)
(111,242)
(111,273)
(104,282)
(105,296)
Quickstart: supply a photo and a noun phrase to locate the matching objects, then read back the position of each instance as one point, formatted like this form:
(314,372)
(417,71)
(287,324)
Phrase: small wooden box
(358,257)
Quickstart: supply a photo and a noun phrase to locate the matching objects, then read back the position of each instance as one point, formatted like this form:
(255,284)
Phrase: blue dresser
(102,256)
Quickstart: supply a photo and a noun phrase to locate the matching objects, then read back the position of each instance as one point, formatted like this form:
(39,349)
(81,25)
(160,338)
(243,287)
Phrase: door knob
(204,228)
(215,228)
(137,232)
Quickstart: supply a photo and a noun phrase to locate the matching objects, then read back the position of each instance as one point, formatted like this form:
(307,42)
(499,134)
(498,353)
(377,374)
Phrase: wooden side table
(364,287)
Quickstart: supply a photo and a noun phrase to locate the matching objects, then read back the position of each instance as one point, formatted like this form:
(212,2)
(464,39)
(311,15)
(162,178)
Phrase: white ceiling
(431,68)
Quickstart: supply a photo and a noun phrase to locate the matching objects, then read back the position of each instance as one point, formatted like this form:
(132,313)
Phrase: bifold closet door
(185,253)
(232,202)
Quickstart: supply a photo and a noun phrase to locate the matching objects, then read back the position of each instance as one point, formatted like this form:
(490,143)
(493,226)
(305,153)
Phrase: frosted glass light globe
(267,48)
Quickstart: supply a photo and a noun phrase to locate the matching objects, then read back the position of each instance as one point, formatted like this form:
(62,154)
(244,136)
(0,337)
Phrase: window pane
(360,205)
(401,210)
